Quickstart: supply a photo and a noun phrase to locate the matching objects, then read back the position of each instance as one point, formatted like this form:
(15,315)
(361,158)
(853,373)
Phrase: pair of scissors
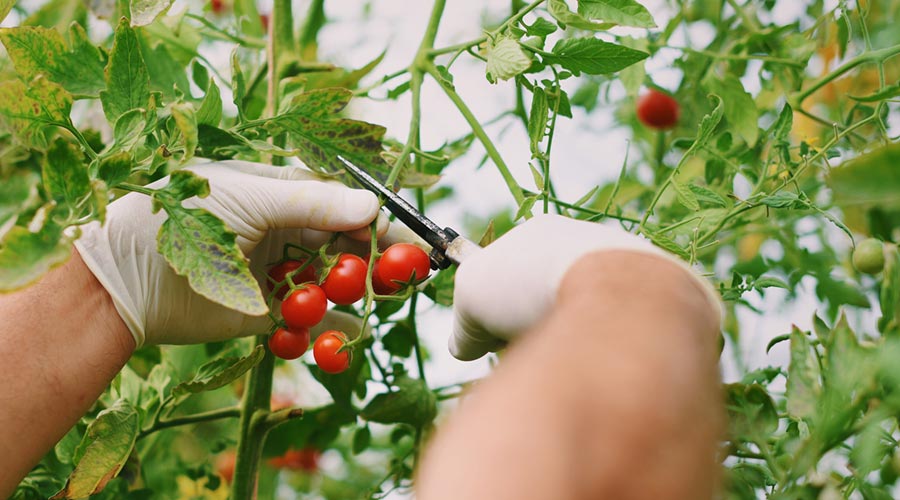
(448,247)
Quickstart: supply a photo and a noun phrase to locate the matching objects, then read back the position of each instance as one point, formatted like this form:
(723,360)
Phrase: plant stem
(208,416)
(420,363)
(478,41)
(257,392)
(482,136)
(880,55)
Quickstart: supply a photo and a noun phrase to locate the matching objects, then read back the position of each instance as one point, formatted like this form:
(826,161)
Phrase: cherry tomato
(225,464)
(657,110)
(379,286)
(278,274)
(306,459)
(868,256)
(346,283)
(217,6)
(264,20)
(289,344)
(325,350)
(304,307)
(402,263)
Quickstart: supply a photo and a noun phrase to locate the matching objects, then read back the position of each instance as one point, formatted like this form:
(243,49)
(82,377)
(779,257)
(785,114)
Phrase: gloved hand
(265,206)
(511,284)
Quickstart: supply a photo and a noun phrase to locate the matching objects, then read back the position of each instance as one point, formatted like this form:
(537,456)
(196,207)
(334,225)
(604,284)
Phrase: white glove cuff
(98,256)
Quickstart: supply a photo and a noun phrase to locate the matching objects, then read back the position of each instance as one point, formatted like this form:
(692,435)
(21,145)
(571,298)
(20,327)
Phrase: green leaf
(106,446)
(707,126)
(115,168)
(505,59)
(803,381)
(17,193)
(525,208)
(740,108)
(540,27)
(537,120)
(872,179)
(440,287)
(667,244)
(26,111)
(186,122)
(621,12)
(412,403)
(685,196)
(127,78)
(210,112)
(167,76)
(238,86)
(889,294)
(888,92)
(65,174)
(784,199)
(36,50)
(199,246)
(361,440)
(319,136)
(751,411)
(561,12)
(399,340)
(708,197)
(219,373)
(26,256)
(129,129)
(770,282)
(5,7)
(144,12)
(783,125)
(592,56)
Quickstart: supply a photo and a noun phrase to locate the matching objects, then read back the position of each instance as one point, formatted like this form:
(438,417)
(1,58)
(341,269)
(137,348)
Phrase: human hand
(265,206)
(511,284)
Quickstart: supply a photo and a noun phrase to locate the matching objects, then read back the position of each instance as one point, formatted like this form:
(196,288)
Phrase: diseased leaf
(199,246)
(592,56)
(186,122)
(65,174)
(26,256)
(17,194)
(505,59)
(319,137)
(5,7)
(36,50)
(621,12)
(144,12)
(106,446)
(115,168)
(26,111)
(219,373)
(127,78)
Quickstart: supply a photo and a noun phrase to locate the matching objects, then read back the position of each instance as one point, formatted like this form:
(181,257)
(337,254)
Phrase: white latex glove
(511,284)
(265,206)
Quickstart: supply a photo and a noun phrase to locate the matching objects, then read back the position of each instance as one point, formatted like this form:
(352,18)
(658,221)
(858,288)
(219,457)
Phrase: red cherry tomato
(325,350)
(378,284)
(225,464)
(304,307)
(289,344)
(346,283)
(402,263)
(264,20)
(306,459)
(278,274)
(657,110)
(217,6)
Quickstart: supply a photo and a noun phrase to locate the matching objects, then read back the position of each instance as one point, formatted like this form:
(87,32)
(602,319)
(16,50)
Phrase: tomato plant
(327,351)
(304,307)
(346,281)
(402,263)
(289,343)
(780,151)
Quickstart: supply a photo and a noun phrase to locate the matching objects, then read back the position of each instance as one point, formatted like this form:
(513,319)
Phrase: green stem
(482,136)
(411,318)
(191,419)
(478,41)
(257,392)
(135,188)
(869,57)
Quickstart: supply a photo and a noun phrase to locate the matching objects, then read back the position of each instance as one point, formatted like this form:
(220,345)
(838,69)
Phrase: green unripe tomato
(868,256)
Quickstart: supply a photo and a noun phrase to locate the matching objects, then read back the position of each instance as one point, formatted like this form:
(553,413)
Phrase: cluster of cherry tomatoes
(304,304)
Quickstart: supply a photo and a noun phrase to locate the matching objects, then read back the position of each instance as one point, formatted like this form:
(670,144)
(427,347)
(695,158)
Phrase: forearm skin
(61,344)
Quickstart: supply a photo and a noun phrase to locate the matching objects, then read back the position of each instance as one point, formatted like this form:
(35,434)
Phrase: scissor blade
(406,213)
